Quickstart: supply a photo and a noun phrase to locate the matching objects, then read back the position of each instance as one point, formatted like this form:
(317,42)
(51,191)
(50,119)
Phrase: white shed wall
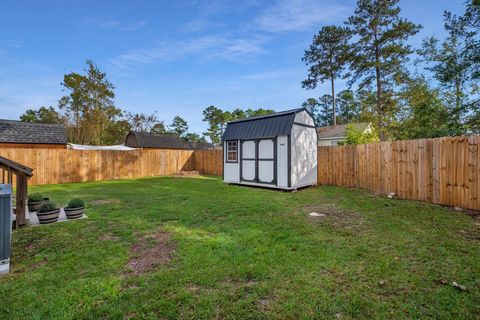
(282,161)
(304,117)
(304,156)
(231,170)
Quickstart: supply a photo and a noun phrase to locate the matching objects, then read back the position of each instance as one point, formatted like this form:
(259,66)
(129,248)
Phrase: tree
(143,122)
(194,137)
(349,108)
(324,115)
(450,65)
(217,119)
(178,127)
(89,105)
(355,135)
(116,132)
(327,58)
(42,115)
(380,55)
(250,113)
(158,128)
(313,107)
(424,113)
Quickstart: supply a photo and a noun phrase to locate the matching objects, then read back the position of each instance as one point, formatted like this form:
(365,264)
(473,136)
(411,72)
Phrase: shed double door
(258,161)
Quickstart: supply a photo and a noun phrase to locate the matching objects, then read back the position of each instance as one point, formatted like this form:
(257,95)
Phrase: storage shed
(136,139)
(278,150)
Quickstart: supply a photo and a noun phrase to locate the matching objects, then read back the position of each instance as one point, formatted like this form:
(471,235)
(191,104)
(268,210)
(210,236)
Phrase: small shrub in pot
(48,213)
(75,208)
(35,201)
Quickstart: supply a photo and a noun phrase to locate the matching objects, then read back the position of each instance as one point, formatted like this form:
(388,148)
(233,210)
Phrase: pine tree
(381,51)
(327,58)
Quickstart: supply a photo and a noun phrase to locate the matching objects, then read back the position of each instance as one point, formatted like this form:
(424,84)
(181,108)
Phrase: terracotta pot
(48,217)
(74,213)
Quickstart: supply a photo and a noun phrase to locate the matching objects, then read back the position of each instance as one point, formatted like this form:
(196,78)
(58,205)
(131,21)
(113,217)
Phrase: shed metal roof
(163,141)
(12,131)
(272,125)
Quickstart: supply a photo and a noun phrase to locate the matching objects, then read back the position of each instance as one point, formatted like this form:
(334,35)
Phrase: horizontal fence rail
(441,170)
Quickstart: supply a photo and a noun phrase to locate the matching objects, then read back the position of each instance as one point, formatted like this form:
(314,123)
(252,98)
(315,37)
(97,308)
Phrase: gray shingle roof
(338,130)
(162,141)
(12,131)
(272,125)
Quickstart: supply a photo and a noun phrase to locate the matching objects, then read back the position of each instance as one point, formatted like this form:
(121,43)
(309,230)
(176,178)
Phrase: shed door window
(232,151)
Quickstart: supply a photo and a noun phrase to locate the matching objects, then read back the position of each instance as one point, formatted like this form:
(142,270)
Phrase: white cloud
(106,23)
(294,15)
(206,47)
(134,25)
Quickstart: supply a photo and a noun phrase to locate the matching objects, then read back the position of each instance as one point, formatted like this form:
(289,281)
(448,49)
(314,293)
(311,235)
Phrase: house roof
(338,131)
(272,125)
(12,131)
(163,141)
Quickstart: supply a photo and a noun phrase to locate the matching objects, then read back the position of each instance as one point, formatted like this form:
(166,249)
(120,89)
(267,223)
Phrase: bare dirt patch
(192,173)
(331,214)
(238,283)
(151,251)
(109,237)
(470,234)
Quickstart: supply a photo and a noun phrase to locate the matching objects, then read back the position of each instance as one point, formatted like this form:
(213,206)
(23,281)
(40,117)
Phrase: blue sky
(175,57)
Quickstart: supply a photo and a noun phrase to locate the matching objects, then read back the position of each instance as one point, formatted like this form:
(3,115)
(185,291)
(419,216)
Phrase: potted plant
(35,201)
(75,208)
(48,213)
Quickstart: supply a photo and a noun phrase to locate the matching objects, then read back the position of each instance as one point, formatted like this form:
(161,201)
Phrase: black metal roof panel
(272,125)
(162,141)
(12,131)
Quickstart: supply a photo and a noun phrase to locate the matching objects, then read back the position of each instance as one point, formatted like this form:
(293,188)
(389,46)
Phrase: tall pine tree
(327,58)
(381,51)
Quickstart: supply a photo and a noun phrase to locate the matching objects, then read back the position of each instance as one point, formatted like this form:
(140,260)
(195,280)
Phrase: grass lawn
(241,252)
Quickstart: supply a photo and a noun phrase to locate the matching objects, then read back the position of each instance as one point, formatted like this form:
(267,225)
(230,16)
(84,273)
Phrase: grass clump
(47,207)
(75,203)
(35,197)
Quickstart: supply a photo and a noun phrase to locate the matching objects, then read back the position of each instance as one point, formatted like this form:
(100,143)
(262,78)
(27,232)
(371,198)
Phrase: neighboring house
(163,141)
(332,135)
(18,134)
(278,150)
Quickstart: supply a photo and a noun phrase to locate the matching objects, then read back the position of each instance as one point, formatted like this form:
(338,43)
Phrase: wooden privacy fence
(51,166)
(442,170)
(209,162)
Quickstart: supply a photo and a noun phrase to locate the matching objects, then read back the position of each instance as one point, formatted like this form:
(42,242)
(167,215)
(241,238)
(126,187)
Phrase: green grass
(245,253)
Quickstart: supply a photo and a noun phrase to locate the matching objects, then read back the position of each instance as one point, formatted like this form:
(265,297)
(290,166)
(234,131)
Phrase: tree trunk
(21,200)
(380,113)
(334,117)
(458,102)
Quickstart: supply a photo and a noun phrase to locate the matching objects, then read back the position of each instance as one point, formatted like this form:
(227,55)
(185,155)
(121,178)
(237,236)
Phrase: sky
(175,57)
